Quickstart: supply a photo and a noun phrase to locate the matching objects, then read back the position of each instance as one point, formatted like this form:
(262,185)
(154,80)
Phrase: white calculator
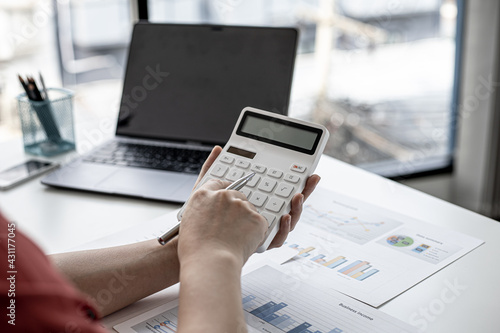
(282,151)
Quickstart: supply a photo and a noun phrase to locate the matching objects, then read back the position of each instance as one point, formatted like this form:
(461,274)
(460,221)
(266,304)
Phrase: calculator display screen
(280,132)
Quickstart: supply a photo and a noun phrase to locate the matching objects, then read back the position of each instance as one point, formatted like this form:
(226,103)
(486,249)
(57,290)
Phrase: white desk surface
(463,297)
(59,220)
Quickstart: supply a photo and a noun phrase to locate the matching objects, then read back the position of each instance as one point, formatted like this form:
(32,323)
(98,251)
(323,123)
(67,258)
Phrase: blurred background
(393,80)
(379,74)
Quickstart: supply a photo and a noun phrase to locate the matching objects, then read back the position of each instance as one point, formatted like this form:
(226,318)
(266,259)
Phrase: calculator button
(298,168)
(255,179)
(258,199)
(219,170)
(227,159)
(292,178)
(242,164)
(269,217)
(259,168)
(275,173)
(274,205)
(246,192)
(284,190)
(267,185)
(234,174)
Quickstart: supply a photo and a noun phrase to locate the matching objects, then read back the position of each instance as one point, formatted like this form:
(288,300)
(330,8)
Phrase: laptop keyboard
(151,157)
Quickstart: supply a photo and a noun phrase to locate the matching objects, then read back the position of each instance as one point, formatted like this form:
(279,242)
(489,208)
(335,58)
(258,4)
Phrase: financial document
(274,302)
(367,252)
(341,247)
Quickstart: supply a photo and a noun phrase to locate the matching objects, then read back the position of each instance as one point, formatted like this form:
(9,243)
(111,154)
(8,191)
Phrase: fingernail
(302,199)
(289,222)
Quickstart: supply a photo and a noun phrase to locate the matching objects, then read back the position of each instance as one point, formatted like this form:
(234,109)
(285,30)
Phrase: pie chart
(399,240)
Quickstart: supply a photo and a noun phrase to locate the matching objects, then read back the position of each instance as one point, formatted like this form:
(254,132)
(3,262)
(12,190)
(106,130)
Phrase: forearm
(210,294)
(118,276)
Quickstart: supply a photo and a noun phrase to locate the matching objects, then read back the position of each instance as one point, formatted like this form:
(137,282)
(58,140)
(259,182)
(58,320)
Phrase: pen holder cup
(47,125)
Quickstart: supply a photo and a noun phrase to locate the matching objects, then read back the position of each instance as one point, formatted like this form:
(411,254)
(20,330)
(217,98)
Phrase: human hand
(218,221)
(288,221)
(208,163)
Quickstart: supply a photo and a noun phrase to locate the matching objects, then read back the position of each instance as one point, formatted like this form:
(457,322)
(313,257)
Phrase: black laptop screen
(190,82)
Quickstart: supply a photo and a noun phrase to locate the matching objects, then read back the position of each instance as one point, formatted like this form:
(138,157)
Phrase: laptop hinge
(183,144)
(197,143)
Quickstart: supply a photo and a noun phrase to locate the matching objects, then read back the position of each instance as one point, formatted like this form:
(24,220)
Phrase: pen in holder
(47,125)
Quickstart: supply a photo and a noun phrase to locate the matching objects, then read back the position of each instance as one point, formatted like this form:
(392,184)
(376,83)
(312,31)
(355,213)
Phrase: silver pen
(174,231)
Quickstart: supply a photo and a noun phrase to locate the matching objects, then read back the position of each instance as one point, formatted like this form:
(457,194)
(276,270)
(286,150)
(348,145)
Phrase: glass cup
(47,125)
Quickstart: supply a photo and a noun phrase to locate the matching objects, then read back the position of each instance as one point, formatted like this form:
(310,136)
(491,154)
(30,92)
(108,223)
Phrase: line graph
(347,221)
(342,220)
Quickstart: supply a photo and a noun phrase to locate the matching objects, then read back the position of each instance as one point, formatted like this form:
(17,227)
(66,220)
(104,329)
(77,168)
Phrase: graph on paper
(274,302)
(356,269)
(349,220)
(165,322)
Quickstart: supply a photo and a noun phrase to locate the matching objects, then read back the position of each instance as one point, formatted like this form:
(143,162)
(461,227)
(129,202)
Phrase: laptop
(183,90)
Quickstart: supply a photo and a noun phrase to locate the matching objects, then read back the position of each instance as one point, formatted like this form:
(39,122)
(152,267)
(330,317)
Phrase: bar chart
(298,311)
(358,269)
(165,322)
(270,313)
(275,302)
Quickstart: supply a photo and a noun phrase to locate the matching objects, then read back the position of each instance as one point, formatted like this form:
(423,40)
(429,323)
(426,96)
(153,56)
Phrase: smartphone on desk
(23,172)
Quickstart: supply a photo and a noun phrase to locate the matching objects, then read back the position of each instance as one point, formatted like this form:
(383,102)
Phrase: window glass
(379,74)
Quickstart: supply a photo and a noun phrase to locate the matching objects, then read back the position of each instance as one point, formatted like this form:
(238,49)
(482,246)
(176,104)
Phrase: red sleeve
(34,296)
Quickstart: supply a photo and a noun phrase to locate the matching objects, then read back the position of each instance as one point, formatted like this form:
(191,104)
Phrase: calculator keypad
(298,168)
(227,159)
(269,217)
(258,199)
(242,164)
(246,192)
(219,170)
(258,168)
(284,190)
(234,174)
(254,181)
(292,178)
(275,173)
(269,189)
(267,185)
(275,204)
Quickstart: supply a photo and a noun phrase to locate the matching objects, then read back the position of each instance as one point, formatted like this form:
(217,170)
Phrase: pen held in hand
(174,231)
